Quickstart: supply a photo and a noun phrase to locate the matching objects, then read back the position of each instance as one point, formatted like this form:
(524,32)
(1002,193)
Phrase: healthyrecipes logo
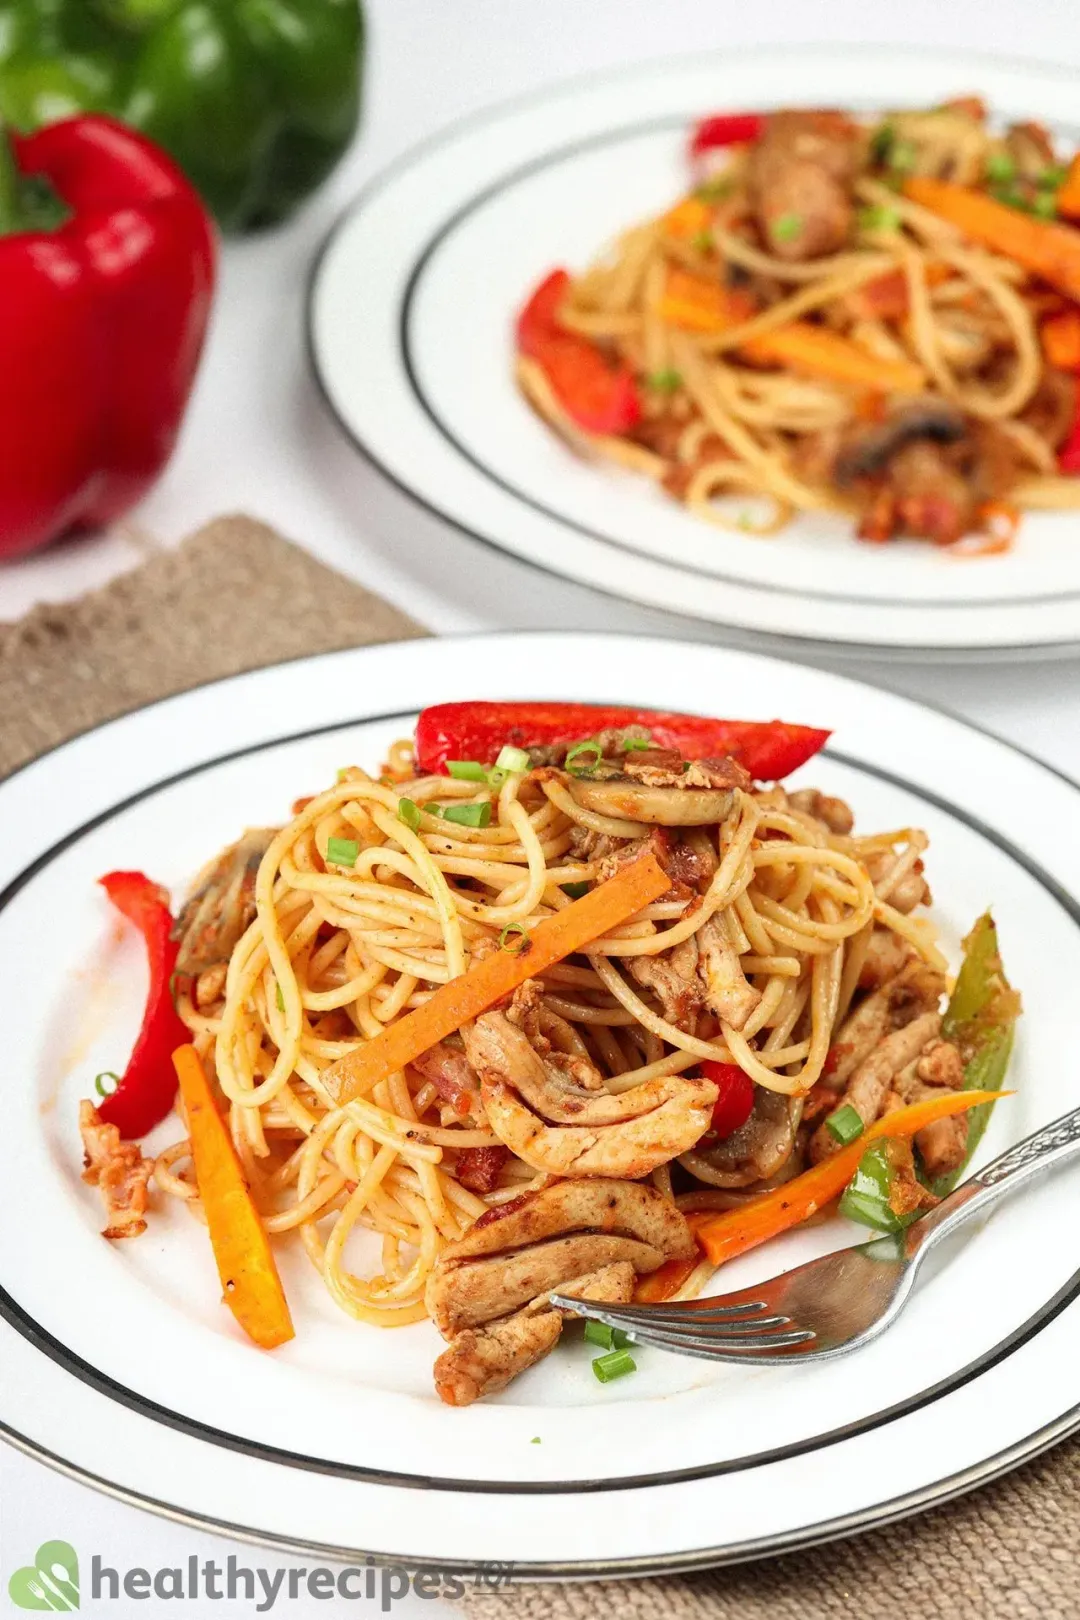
(51,1582)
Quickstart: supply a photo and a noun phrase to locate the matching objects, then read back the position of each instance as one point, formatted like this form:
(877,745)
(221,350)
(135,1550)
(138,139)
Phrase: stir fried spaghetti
(688,1059)
(875,319)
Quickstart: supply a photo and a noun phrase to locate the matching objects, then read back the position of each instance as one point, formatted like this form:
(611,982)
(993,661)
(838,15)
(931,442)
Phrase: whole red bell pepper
(147,1086)
(598,396)
(768,749)
(725,129)
(102,319)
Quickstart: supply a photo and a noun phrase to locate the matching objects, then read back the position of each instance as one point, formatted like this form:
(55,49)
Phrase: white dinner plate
(410,327)
(119,1364)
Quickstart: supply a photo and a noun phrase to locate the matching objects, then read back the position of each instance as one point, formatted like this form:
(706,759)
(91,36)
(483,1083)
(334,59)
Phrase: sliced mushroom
(871,450)
(590,1239)
(757,1150)
(657,806)
(221,906)
(541,1110)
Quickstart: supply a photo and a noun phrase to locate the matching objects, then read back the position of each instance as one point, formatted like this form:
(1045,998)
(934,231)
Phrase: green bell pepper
(256,99)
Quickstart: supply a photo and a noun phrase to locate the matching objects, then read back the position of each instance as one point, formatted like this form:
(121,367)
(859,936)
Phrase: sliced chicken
(916,989)
(800,178)
(836,814)
(555,1113)
(869,1086)
(590,1239)
(727,991)
(118,1169)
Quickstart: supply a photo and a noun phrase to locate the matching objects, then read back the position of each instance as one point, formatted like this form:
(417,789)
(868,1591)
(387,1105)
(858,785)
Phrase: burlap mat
(236,593)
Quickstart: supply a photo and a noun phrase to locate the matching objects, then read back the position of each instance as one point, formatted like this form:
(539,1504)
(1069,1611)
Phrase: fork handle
(1052,1145)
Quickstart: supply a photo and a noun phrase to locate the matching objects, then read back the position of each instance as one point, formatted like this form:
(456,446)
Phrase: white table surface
(257,439)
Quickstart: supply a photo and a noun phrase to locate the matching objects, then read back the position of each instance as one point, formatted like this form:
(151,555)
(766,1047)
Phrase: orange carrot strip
(688,218)
(1048,249)
(1068,198)
(819,352)
(497,976)
(697,305)
(733,1232)
(1061,340)
(249,1276)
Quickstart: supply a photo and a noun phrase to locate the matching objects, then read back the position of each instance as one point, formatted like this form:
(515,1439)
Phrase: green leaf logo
(51,1582)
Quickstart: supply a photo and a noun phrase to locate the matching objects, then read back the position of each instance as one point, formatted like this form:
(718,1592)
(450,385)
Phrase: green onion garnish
(467,770)
(1053,177)
(716,189)
(1044,205)
(469,815)
(637,745)
(584,757)
(616,1364)
(106,1074)
(535,1441)
(511,929)
(608,1338)
(881,142)
(879,219)
(1001,167)
(342,851)
(703,241)
(512,760)
(343,773)
(576,890)
(845,1125)
(667,381)
(279,998)
(787,227)
(409,812)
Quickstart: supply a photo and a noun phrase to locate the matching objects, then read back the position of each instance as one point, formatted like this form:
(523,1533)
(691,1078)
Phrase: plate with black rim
(410,315)
(119,1365)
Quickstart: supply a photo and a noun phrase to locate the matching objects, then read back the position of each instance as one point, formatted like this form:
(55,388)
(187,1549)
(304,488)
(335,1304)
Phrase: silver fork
(843,1300)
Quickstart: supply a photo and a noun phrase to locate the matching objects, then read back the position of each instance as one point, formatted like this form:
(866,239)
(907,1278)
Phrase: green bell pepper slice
(256,99)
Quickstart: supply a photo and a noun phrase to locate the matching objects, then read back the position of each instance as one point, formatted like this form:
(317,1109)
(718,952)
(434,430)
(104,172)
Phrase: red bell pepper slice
(725,129)
(769,749)
(1069,454)
(102,321)
(147,1087)
(598,396)
(735,1104)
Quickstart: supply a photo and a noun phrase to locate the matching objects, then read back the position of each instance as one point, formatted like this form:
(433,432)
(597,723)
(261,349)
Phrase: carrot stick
(497,976)
(1068,198)
(697,305)
(733,1232)
(1048,249)
(249,1276)
(819,352)
(1061,340)
(688,218)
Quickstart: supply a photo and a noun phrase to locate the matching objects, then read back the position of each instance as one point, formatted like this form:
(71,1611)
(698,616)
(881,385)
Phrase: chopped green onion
(343,773)
(467,770)
(1044,205)
(881,142)
(636,745)
(845,1125)
(523,943)
(1053,176)
(903,156)
(1001,167)
(866,1199)
(716,189)
(342,851)
(279,998)
(468,815)
(106,1074)
(667,381)
(608,1338)
(879,218)
(703,241)
(535,1441)
(787,227)
(577,762)
(409,812)
(576,890)
(616,1364)
(513,760)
